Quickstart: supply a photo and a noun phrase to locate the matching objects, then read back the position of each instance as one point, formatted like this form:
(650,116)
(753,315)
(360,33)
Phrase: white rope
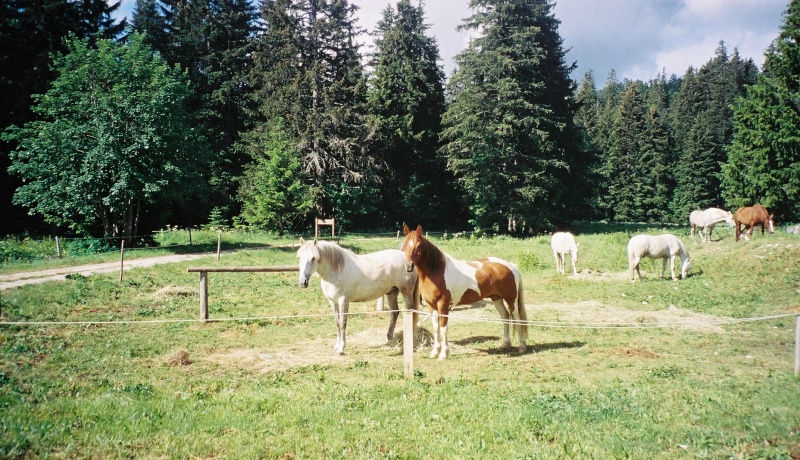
(543,324)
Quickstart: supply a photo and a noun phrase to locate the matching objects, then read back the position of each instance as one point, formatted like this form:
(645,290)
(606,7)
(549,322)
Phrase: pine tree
(273,191)
(705,130)
(307,70)
(587,120)
(406,98)
(764,158)
(627,163)
(608,102)
(509,132)
(210,40)
(148,19)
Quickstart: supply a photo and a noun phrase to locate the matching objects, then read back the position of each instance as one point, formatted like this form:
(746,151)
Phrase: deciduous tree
(111,137)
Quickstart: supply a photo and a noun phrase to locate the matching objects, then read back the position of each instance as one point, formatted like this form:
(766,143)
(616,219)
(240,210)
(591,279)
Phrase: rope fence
(457,317)
(409,326)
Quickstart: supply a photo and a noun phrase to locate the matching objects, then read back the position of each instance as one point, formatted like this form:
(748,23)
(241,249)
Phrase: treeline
(230,113)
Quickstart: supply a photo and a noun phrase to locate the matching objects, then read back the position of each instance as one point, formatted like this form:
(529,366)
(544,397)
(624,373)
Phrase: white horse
(705,221)
(348,277)
(665,246)
(563,243)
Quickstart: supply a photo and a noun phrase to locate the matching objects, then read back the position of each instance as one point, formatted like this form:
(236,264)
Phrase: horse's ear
(406,230)
(419,229)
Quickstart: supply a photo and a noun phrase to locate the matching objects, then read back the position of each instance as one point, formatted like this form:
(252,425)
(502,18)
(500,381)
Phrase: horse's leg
(435,323)
(574,269)
(693,226)
(633,264)
(336,316)
(522,326)
(395,313)
(558,262)
(671,266)
(501,308)
(344,306)
(710,231)
(445,351)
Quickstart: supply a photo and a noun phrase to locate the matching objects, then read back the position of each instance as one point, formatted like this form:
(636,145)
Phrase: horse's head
(573,251)
(308,255)
(685,267)
(411,246)
(729,219)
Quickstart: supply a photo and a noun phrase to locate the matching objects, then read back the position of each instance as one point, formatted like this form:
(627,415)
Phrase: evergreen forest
(269,114)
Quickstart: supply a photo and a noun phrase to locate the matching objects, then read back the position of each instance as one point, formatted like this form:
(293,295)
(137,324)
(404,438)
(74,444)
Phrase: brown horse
(749,217)
(444,281)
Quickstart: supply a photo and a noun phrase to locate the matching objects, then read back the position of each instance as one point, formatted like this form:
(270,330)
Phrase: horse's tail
(523,315)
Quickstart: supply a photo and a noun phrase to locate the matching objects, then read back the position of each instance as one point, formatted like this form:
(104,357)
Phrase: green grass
(271,388)
(29,254)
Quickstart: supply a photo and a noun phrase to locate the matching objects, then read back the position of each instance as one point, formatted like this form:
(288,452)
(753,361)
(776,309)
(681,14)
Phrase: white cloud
(637,38)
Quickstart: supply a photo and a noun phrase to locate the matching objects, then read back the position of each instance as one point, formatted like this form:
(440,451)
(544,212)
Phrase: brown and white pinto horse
(750,217)
(445,281)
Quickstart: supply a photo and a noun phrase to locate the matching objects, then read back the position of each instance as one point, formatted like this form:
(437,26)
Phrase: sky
(638,39)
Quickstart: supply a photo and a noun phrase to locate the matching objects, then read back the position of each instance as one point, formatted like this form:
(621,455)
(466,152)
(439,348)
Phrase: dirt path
(60,274)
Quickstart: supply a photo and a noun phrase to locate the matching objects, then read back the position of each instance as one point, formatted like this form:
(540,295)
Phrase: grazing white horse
(348,277)
(665,246)
(706,219)
(563,243)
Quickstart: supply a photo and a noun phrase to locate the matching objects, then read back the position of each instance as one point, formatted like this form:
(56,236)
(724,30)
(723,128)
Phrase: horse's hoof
(505,345)
(522,349)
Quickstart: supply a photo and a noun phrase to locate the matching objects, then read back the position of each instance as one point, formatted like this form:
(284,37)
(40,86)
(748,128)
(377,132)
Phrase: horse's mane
(333,253)
(431,256)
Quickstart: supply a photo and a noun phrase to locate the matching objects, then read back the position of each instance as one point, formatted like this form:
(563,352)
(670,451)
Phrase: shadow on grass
(532,348)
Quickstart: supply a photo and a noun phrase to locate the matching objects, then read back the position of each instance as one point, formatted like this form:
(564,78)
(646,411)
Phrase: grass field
(657,369)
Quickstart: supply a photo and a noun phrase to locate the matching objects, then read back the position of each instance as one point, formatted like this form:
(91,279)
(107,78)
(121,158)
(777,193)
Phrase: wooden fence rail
(204,271)
(409,316)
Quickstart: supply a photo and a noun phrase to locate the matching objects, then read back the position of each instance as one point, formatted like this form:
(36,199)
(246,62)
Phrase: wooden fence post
(190,236)
(797,347)
(204,296)
(219,243)
(121,259)
(408,343)
(204,271)
(58,247)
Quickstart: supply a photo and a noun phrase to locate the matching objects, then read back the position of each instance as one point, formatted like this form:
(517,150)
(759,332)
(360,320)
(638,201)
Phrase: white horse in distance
(348,277)
(667,247)
(706,219)
(563,243)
